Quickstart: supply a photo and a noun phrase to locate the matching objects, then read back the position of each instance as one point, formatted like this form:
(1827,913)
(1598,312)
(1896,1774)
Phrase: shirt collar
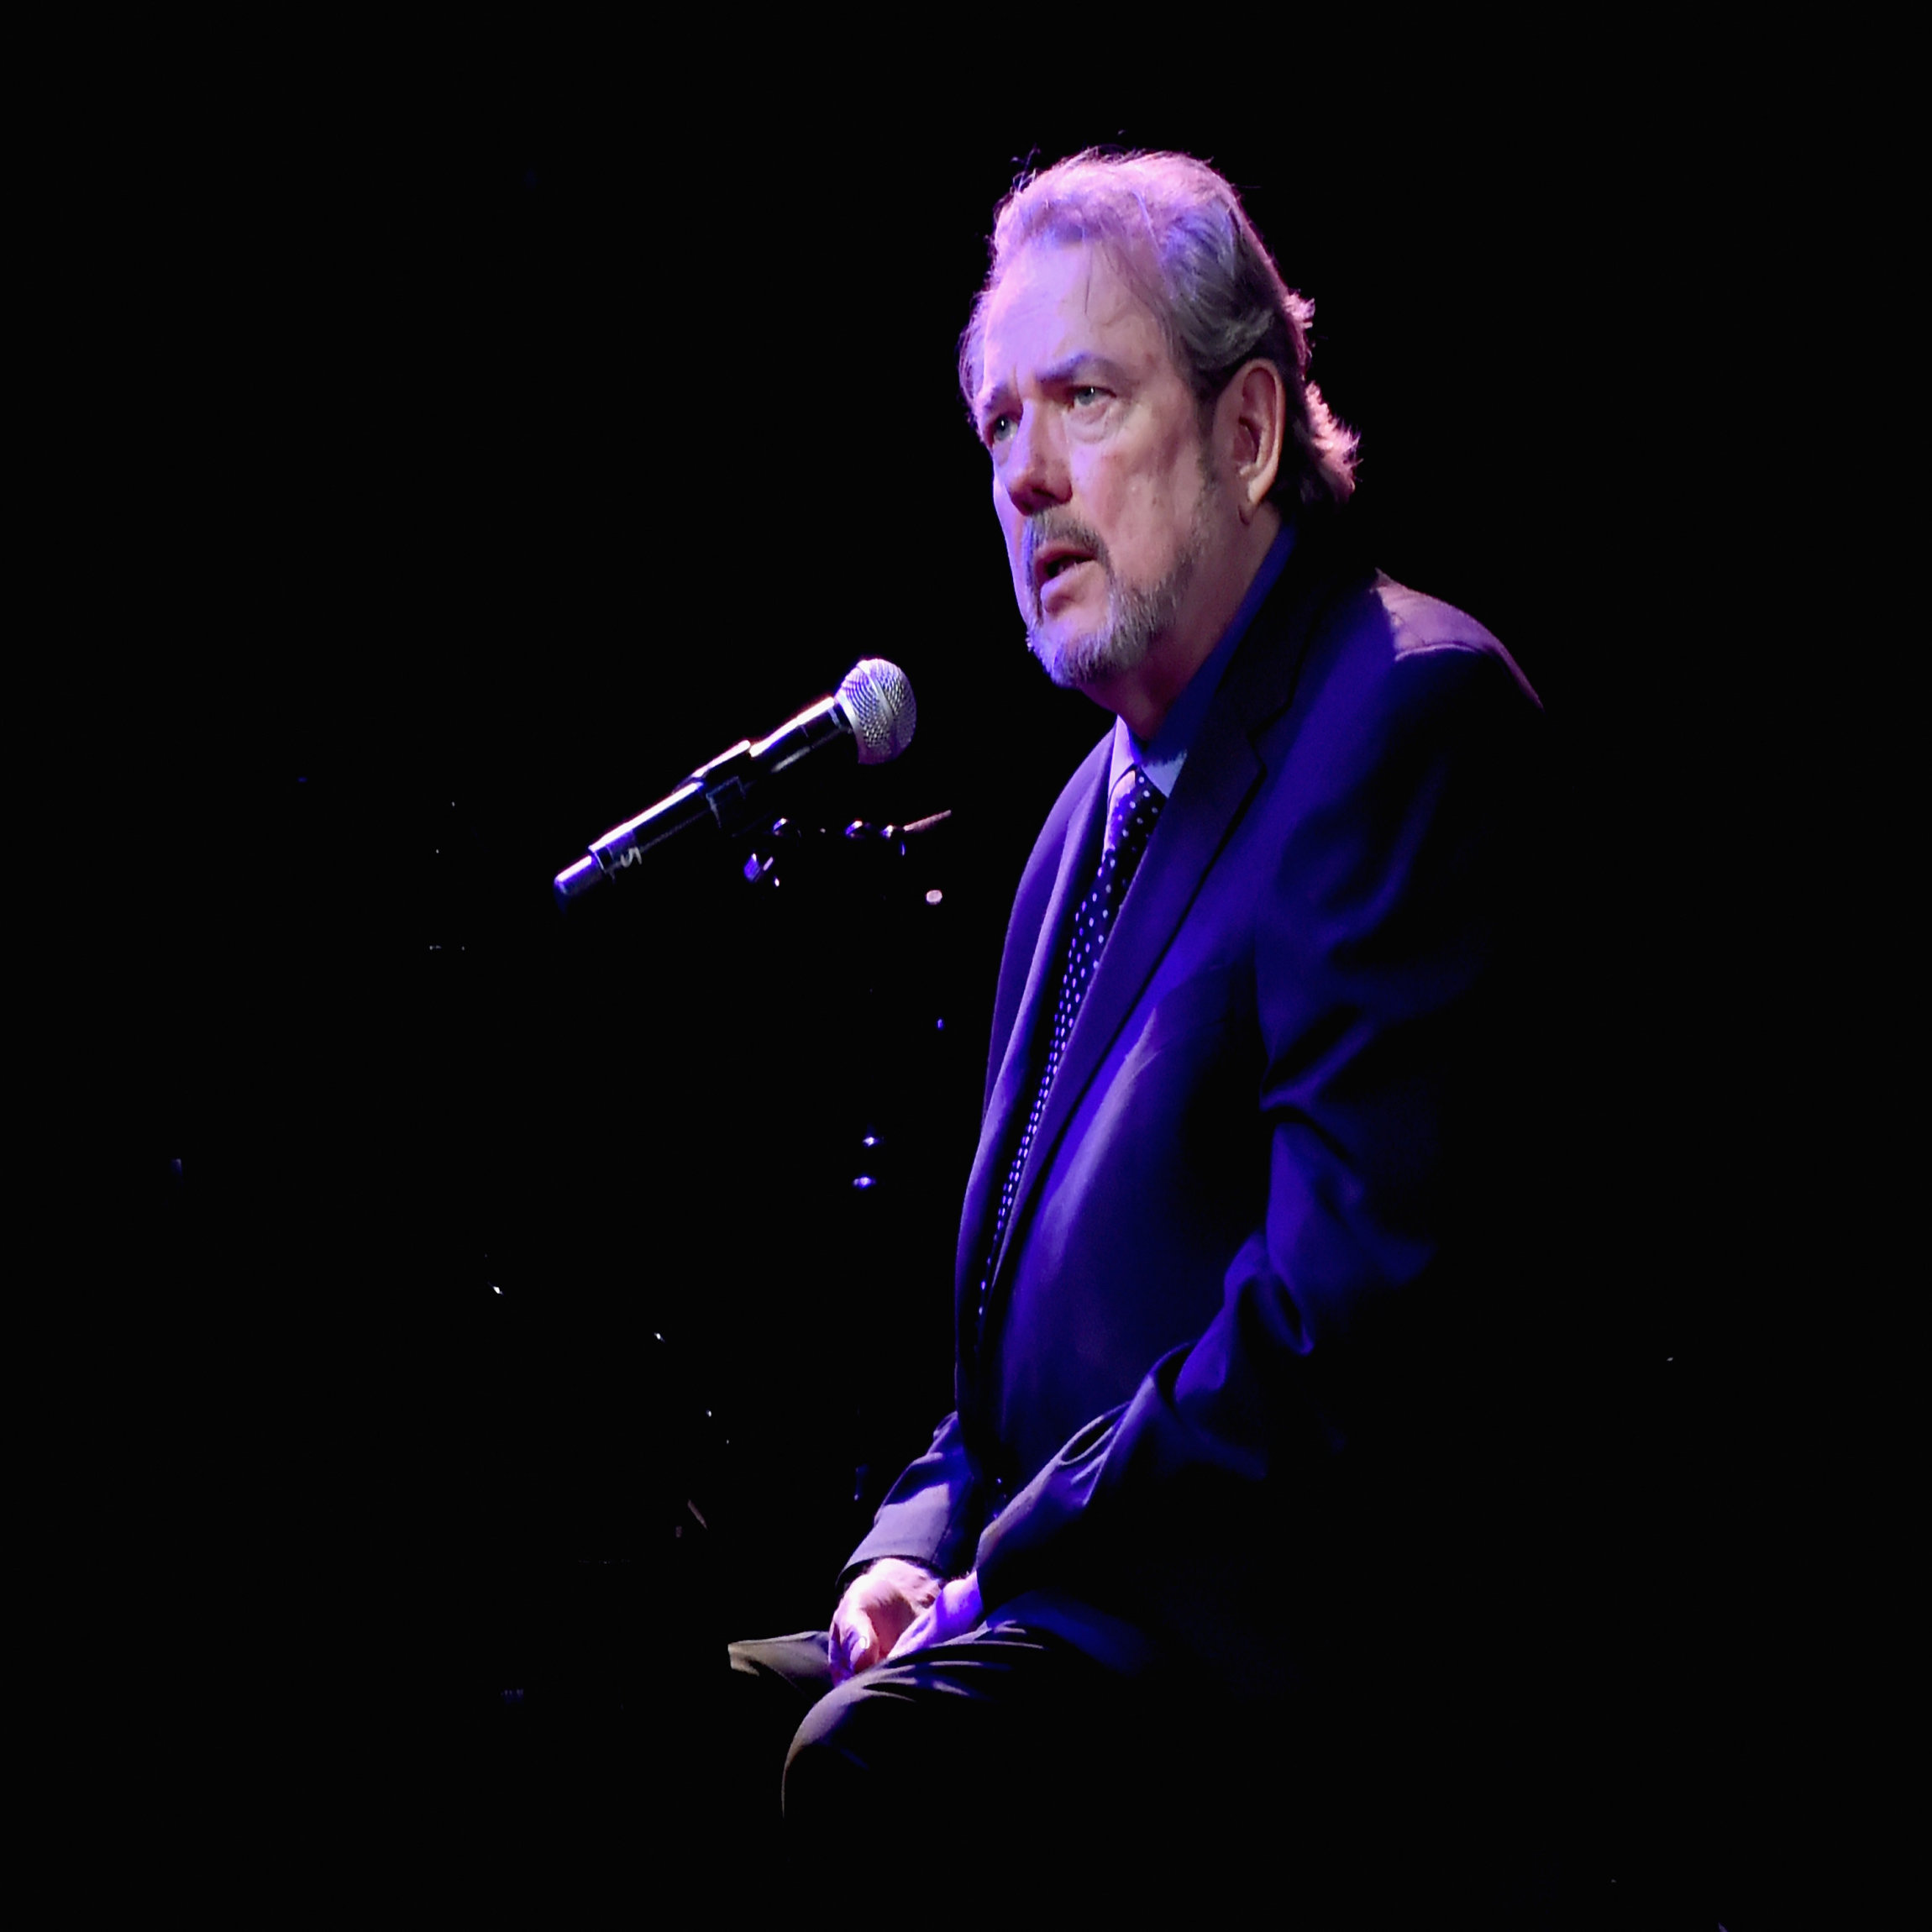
(1163,755)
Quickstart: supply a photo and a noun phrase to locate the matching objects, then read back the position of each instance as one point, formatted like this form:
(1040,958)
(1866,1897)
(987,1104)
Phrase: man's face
(1100,476)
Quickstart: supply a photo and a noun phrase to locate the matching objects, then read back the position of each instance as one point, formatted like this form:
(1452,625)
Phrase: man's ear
(1252,419)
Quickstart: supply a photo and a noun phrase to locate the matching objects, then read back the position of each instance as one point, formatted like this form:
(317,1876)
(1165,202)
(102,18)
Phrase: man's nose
(1035,471)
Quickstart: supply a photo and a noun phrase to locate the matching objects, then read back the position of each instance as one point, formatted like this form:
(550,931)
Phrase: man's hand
(953,1612)
(875,1612)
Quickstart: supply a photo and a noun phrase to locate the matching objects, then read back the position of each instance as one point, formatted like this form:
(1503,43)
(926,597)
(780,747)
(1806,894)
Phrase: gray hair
(1176,232)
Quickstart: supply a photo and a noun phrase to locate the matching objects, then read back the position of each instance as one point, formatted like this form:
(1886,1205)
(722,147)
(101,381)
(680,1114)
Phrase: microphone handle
(720,792)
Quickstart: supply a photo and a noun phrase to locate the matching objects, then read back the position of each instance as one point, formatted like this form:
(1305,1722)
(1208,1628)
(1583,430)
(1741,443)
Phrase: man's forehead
(1058,300)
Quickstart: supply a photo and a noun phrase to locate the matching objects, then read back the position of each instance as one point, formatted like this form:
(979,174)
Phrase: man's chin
(1053,656)
(1080,662)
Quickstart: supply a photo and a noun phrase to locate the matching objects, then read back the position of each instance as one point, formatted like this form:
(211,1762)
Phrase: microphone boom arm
(869,706)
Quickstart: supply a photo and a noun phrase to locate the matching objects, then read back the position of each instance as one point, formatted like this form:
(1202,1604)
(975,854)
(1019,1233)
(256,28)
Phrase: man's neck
(1143,696)
(1162,756)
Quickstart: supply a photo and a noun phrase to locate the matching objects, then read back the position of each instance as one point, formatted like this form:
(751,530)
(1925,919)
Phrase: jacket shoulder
(1393,690)
(1420,627)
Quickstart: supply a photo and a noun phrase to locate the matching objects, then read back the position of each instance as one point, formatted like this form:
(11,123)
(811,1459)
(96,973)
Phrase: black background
(471,488)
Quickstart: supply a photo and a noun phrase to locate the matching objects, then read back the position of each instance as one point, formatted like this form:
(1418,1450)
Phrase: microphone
(872,708)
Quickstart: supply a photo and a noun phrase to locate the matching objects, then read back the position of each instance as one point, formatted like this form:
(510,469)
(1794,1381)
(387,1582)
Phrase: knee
(824,1756)
(826,1793)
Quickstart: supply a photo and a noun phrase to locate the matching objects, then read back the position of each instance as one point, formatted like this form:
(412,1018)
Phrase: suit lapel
(1011,1094)
(1221,774)
(1191,827)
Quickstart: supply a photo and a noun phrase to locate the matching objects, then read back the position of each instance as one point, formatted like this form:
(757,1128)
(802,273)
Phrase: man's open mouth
(1056,559)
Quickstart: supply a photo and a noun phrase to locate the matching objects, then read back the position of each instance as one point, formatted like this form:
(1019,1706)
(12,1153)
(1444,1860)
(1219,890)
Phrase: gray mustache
(1057,527)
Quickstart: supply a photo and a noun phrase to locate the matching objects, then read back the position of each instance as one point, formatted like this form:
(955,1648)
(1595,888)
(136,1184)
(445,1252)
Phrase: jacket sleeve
(930,1515)
(1365,1339)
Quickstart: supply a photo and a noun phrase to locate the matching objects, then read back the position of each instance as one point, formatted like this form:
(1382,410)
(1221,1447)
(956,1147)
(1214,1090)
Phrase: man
(1240,1321)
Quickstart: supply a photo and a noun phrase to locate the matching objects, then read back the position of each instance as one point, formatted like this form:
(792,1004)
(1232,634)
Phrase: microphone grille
(878,698)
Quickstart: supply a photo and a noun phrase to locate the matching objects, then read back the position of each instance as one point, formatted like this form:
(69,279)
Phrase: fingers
(861,1646)
(874,1615)
(855,1645)
(954,1611)
(915,1636)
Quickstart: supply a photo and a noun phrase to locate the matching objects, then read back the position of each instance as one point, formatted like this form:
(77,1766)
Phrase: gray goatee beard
(1137,619)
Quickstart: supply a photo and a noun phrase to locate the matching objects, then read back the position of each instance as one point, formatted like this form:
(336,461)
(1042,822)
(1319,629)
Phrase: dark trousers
(970,1742)
(1010,1762)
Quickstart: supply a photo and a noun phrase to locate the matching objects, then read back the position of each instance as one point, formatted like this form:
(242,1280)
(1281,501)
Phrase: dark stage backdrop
(487,487)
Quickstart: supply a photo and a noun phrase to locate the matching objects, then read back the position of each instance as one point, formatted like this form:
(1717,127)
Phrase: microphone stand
(859,917)
(911,1116)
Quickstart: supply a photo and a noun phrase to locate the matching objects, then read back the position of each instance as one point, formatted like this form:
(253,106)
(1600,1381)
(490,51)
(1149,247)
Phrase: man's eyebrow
(989,400)
(1085,363)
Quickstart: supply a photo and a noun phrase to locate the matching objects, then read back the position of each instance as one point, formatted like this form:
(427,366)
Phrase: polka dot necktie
(1131,818)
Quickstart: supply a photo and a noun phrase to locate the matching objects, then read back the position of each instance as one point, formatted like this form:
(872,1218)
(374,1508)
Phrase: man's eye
(998,429)
(1087,395)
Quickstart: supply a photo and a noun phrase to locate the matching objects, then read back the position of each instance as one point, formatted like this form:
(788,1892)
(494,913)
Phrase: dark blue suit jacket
(1259,1311)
